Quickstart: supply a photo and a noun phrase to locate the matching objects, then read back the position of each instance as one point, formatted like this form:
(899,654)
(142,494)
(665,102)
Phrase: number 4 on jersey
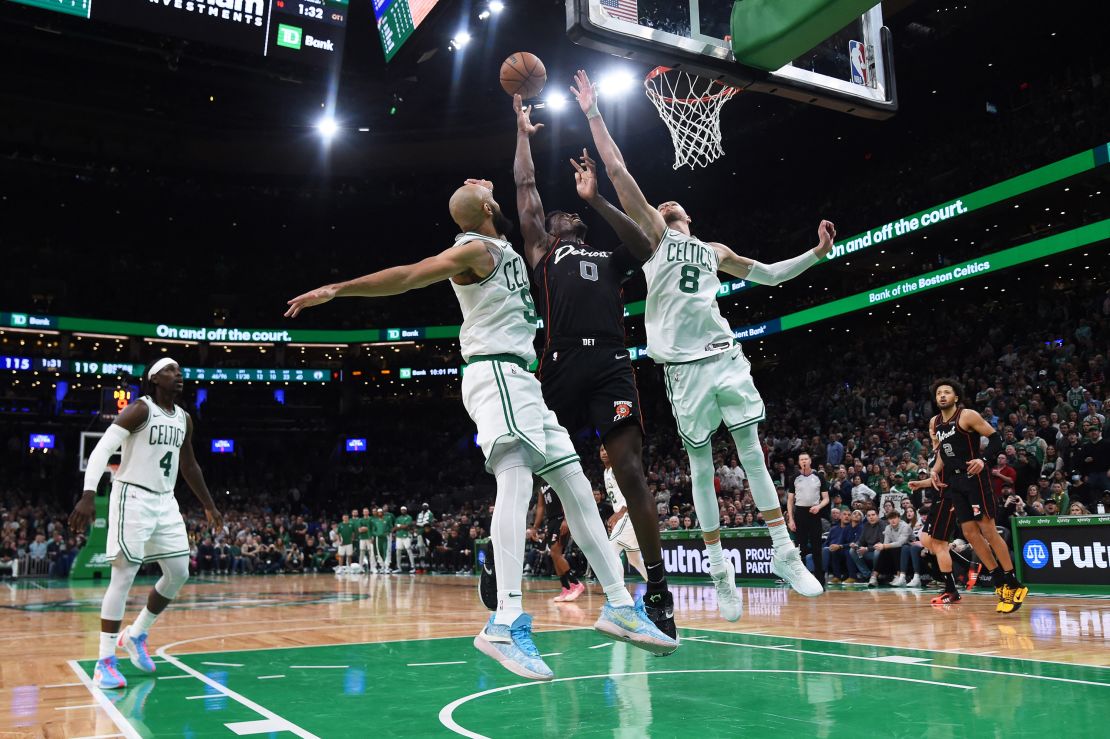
(166,463)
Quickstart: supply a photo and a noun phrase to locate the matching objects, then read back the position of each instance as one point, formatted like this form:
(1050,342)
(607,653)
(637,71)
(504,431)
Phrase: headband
(158,366)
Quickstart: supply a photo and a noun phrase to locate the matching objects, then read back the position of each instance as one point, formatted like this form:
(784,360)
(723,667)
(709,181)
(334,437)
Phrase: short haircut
(893,514)
(957,388)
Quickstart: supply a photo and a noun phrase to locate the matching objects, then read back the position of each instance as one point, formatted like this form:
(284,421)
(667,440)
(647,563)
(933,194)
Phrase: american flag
(624,10)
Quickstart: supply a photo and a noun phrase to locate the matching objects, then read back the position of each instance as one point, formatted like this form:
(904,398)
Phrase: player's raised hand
(826,235)
(584,92)
(585,176)
(523,117)
(314,297)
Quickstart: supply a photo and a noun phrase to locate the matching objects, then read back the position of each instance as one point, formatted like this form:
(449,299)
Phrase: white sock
(514,491)
(107,645)
(143,622)
(716,556)
(585,526)
(509,606)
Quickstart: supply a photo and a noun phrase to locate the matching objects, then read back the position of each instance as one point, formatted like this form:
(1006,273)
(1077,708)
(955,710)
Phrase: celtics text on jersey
(682,318)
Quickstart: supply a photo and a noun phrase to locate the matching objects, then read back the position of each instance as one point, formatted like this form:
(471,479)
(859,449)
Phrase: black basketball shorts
(591,386)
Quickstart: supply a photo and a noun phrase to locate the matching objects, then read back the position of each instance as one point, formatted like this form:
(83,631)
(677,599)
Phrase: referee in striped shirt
(805,500)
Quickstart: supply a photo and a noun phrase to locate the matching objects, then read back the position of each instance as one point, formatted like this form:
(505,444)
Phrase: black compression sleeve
(994,447)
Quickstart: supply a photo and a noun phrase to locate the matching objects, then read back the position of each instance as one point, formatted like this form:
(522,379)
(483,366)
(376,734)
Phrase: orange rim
(658,71)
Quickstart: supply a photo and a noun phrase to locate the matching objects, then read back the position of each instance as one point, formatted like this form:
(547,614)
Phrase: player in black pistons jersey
(960,473)
(585,370)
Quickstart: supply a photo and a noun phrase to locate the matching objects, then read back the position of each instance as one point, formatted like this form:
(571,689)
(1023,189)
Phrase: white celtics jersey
(151,453)
(682,319)
(613,492)
(499,316)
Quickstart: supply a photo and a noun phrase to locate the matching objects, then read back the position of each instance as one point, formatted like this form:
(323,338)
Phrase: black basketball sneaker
(660,609)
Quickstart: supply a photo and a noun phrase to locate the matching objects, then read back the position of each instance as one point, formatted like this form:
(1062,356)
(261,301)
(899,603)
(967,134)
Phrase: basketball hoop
(691,108)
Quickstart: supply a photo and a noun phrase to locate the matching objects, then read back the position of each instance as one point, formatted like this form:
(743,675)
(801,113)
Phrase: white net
(691,108)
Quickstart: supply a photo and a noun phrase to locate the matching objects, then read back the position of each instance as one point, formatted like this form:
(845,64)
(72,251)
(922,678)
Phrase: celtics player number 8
(689,279)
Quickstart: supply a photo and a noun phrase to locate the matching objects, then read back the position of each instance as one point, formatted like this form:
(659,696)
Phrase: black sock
(572,578)
(1011,579)
(565,580)
(656,577)
(949,582)
(998,576)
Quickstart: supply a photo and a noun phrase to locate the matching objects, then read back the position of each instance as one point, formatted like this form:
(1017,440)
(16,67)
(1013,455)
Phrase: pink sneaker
(561,596)
(575,590)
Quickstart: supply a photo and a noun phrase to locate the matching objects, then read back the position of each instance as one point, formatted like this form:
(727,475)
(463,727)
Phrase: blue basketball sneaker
(136,649)
(631,624)
(512,646)
(107,676)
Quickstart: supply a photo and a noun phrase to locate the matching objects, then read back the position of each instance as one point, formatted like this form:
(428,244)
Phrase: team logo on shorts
(975,510)
(621,409)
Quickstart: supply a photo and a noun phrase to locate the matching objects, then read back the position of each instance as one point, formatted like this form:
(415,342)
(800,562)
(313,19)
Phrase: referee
(804,501)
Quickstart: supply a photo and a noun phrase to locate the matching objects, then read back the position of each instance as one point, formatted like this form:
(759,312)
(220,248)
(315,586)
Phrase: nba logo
(1035,553)
(857,54)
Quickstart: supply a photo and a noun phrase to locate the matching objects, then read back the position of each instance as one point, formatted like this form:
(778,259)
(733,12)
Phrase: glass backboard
(851,71)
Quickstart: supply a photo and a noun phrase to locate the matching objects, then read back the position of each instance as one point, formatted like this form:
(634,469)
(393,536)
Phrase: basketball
(523,73)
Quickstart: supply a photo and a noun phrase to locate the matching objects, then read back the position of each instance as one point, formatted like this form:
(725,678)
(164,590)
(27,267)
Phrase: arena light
(496,6)
(484,15)
(556,101)
(327,127)
(461,39)
(617,82)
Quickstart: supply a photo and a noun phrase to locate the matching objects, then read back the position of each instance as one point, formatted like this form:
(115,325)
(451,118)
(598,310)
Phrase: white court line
(551,654)
(599,646)
(209,637)
(261,710)
(932,666)
(204,697)
(446,718)
(74,708)
(433,664)
(173,677)
(319,667)
(102,700)
(222,664)
(910,649)
(269,677)
(62,685)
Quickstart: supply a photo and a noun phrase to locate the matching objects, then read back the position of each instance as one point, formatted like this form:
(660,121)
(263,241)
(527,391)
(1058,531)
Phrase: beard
(503,225)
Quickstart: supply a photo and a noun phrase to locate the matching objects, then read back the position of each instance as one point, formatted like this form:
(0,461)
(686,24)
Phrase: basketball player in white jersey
(518,433)
(144,521)
(708,378)
(621,534)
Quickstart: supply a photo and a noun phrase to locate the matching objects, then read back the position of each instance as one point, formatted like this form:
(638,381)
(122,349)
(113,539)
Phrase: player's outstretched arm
(631,197)
(630,234)
(470,258)
(528,204)
(778,272)
(190,470)
(130,419)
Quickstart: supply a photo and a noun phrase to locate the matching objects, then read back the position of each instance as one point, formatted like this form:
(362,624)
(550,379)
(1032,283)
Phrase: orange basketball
(523,73)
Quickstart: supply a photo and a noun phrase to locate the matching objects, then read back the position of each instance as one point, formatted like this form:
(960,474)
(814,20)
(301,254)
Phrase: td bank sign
(294,37)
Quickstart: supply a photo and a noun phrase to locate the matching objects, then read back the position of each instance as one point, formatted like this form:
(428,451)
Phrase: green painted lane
(717,684)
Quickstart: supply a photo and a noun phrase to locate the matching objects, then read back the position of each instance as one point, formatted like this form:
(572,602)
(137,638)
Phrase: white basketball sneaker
(728,600)
(789,567)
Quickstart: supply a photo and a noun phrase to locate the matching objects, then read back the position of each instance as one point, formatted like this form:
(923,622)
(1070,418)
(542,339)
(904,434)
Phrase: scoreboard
(306,31)
(398,20)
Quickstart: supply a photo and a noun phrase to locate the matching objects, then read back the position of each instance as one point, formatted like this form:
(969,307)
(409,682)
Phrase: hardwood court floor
(318,655)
